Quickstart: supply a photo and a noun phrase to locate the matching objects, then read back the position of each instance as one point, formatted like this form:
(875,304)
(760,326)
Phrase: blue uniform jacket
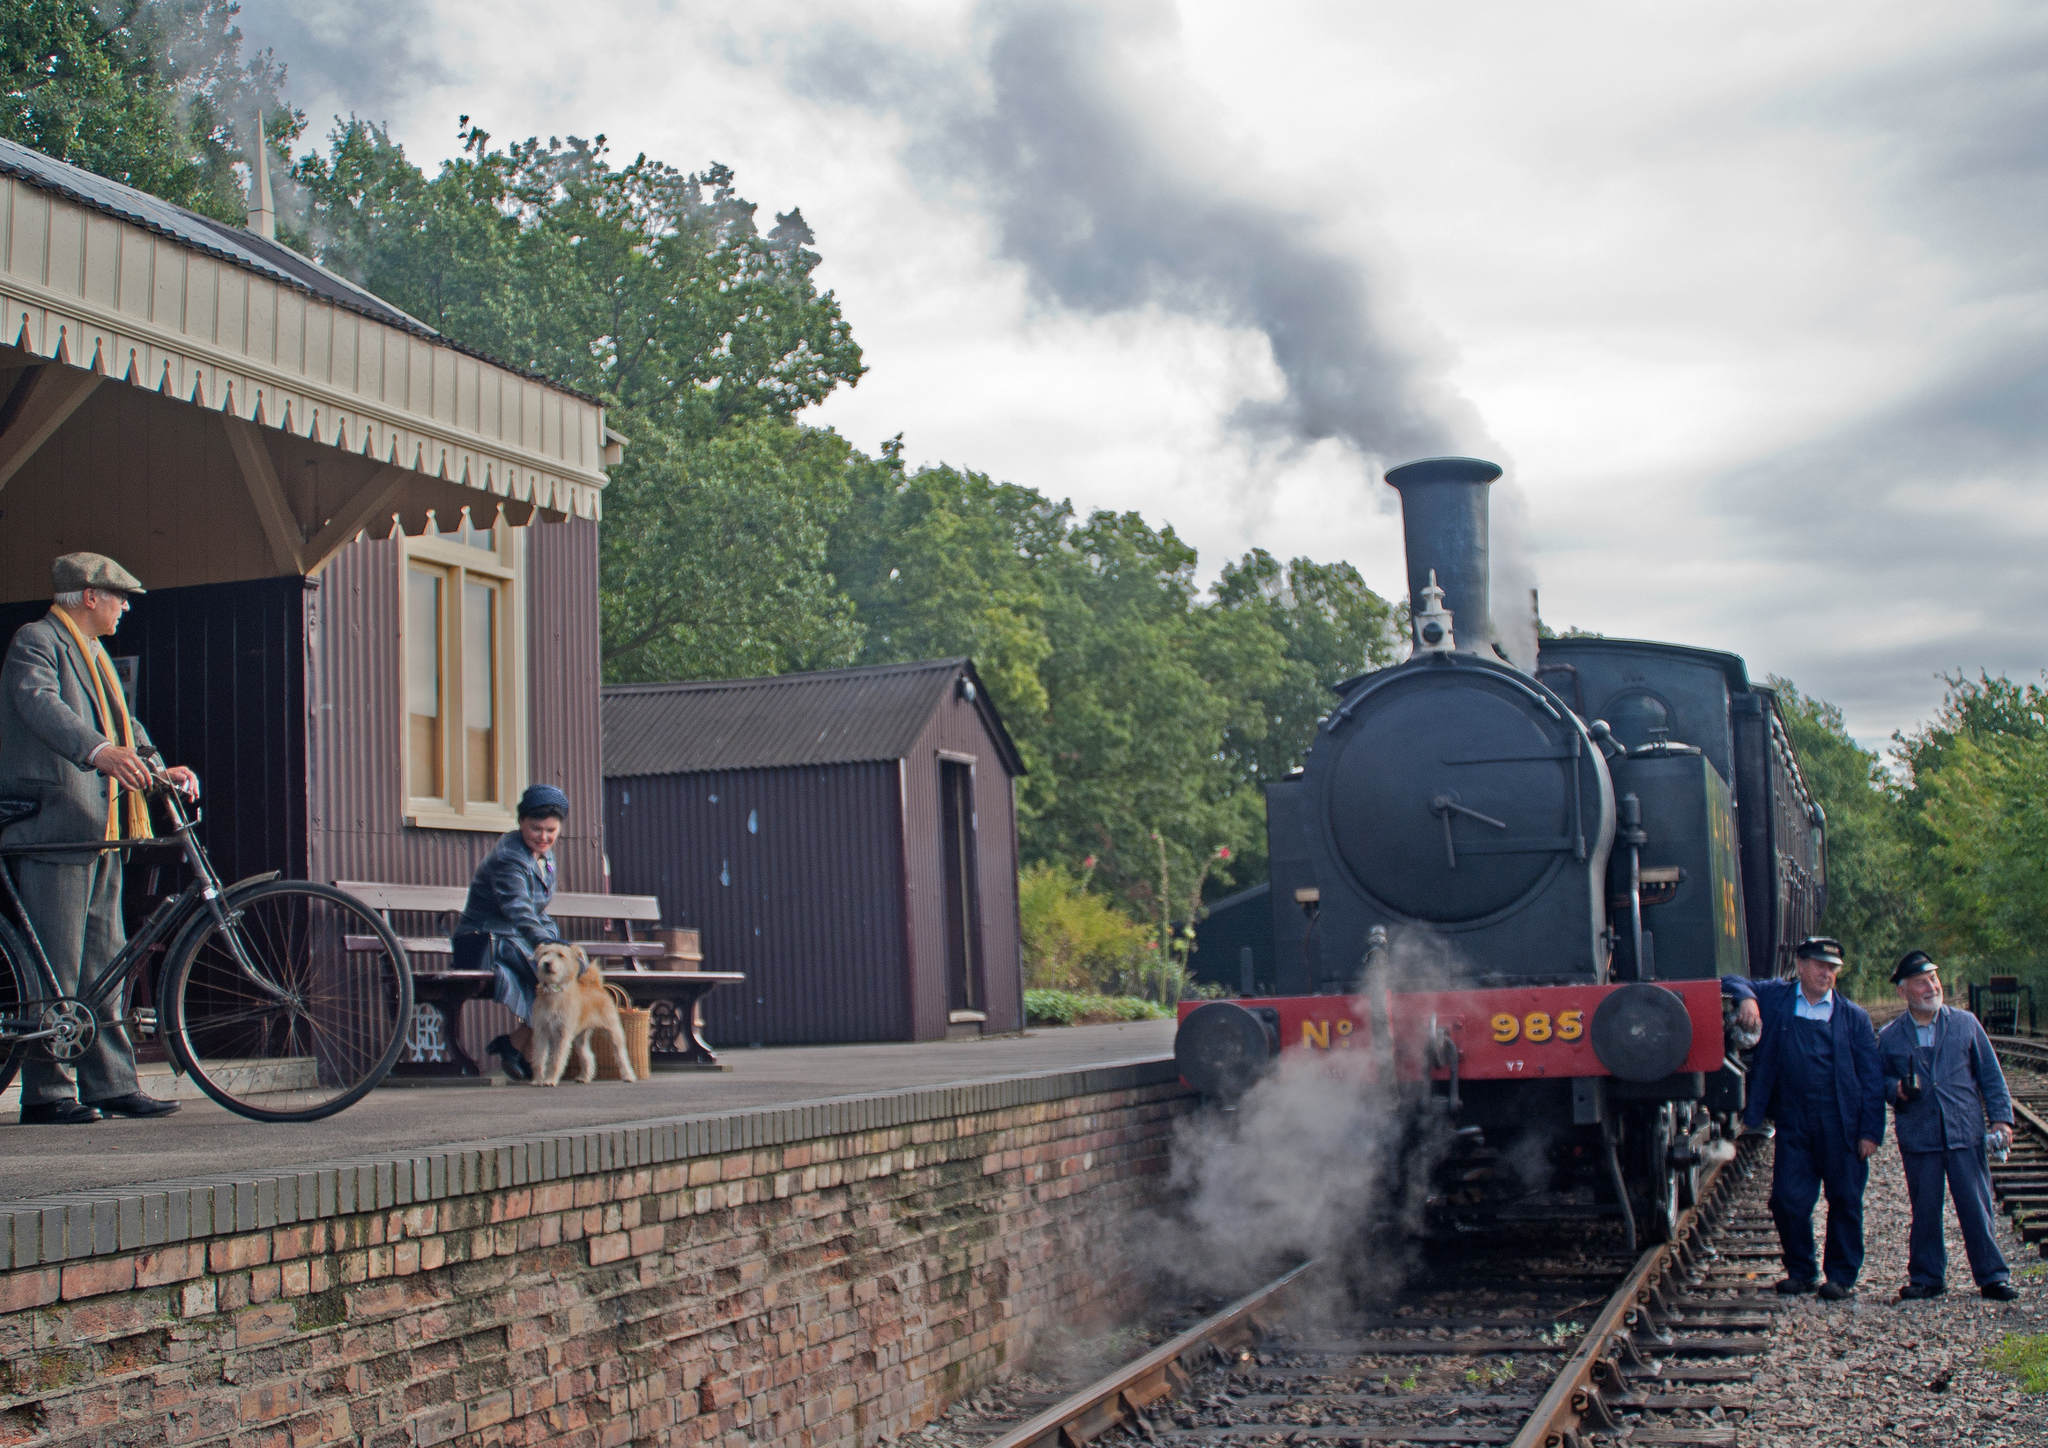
(509,895)
(1859,1079)
(1964,1087)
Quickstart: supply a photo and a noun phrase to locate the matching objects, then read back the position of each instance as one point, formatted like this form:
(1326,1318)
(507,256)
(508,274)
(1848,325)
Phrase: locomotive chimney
(1444,520)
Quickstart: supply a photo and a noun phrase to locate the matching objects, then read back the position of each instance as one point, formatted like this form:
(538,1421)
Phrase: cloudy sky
(1749,298)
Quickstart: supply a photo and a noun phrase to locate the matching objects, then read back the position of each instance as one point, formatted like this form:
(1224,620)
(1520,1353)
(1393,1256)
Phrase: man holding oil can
(1943,1080)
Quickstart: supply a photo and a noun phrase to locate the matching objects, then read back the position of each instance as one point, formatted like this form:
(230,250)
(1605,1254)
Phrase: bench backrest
(567,904)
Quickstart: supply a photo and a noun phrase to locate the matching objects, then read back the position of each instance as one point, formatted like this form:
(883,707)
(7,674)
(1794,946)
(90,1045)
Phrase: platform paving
(203,1139)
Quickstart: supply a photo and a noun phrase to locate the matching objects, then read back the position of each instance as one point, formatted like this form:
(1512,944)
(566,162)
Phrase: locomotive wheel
(1689,1177)
(1665,1188)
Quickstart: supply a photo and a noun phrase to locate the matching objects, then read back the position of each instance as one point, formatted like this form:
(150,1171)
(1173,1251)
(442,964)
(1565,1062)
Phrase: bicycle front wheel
(294,1007)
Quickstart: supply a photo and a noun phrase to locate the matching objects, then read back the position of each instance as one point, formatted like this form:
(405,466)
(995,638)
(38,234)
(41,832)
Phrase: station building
(371,554)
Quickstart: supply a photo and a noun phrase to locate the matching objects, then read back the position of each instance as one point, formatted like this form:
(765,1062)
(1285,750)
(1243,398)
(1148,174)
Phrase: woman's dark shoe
(1920,1291)
(510,1057)
(134,1104)
(1999,1291)
(58,1113)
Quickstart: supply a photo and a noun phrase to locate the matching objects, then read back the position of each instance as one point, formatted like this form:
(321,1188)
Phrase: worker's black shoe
(1918,1291)
(58,1113)
(135,1104)
(1836,1291)
(511,1058)
(1999,1291)
(1797,1286)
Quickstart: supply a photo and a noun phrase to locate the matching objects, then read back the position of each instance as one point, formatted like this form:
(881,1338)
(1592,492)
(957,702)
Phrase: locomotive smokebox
(1444,520)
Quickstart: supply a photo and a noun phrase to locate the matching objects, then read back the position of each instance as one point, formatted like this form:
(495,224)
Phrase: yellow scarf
(115,724)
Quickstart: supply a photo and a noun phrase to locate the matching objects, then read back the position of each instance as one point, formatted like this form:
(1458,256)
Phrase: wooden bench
(672,993)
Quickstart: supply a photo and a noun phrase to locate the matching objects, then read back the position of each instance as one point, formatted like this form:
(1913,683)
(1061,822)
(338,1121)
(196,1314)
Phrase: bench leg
(459,1062)
(670,1040)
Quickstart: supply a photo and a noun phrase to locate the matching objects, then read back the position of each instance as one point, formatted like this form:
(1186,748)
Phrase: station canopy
(206,405)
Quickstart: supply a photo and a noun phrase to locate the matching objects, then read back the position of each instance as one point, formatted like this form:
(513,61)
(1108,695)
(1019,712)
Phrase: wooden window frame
(503,566)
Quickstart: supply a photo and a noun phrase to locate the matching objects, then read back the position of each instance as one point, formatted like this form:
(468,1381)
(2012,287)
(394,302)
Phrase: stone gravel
(1875,1372)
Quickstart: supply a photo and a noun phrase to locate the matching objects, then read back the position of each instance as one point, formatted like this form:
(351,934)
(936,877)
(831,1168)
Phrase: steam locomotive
(1514,892)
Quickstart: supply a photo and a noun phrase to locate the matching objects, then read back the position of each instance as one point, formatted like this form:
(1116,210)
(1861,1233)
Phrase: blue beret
(543,799)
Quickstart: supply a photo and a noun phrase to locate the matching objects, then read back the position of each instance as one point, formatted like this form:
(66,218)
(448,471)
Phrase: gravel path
(1859,1372)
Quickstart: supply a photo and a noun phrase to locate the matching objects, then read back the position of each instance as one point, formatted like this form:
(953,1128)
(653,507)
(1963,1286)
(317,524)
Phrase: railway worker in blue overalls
(1942,1078)
(1817,1076)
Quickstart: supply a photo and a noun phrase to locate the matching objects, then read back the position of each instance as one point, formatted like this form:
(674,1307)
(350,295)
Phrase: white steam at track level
(1317,1161)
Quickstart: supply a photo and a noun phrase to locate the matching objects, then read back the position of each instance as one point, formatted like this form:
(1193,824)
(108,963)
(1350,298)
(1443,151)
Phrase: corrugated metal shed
(833,716)
(848,839)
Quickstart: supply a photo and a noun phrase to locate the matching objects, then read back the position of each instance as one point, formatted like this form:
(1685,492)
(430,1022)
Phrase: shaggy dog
(570,1004)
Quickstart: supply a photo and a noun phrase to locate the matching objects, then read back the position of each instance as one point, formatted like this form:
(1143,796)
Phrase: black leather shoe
(58,1113)
(1999,1291)
(1797,1286)
(1920,1291)
(136,1104)
(511,1058)
(1836,1292)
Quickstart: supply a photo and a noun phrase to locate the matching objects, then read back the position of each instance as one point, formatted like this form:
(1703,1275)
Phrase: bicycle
(283,1000)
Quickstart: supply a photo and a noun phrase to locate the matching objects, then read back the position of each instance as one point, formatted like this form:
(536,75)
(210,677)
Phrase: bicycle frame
(168,919)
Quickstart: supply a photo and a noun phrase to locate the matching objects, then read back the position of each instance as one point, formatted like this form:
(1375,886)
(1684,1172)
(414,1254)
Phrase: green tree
(712,554)
(651,289)
(1987,868)
(641,284)
(1873,901)
(153,93)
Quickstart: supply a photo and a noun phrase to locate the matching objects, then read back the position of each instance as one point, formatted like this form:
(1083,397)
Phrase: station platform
(204,1140)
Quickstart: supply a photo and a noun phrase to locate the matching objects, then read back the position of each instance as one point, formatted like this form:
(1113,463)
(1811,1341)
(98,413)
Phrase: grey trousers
(76,910)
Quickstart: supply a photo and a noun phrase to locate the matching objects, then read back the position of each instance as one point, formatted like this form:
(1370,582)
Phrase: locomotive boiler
(1514,893)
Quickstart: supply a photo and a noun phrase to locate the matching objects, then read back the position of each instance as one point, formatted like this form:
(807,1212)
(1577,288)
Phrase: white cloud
(1750,296)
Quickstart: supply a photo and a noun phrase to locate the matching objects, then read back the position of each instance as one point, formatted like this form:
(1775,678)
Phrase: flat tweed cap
(92,570)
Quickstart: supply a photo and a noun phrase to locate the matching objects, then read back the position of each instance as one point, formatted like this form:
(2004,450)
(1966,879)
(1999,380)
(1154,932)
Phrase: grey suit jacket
(48,729)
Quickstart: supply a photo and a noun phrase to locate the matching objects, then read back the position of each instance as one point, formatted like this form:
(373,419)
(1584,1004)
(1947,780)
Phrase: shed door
(961,883)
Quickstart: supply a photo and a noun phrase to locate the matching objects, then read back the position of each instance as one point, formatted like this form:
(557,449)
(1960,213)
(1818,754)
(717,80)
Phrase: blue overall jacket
(1859,1080)
(1961,1083)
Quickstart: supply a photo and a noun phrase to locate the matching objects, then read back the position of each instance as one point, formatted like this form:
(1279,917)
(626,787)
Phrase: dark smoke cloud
(1101,187)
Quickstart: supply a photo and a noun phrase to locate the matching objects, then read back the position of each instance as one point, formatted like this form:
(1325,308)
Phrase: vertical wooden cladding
(563,676)
(793,877)
(221,688)
(956,730)
(354,711)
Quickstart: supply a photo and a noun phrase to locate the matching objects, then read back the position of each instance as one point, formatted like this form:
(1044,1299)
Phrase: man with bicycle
(68,742)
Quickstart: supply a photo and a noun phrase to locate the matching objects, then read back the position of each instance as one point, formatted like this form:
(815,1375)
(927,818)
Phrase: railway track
(1512,1340)
(2020,1182)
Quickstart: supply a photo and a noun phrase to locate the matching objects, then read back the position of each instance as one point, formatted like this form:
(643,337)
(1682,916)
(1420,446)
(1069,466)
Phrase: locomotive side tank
(1486,888)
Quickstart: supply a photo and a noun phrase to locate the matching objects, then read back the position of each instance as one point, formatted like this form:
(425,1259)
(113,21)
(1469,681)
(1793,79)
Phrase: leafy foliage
(1074,940)
(1068,1008)
(1870,910)
(154,93)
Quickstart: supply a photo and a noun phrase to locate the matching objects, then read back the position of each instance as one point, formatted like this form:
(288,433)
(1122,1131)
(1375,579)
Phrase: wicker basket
(636,1023)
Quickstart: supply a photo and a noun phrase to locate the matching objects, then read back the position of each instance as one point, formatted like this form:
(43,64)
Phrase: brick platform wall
(833,1288)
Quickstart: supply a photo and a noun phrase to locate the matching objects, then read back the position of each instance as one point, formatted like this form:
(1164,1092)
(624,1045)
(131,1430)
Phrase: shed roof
(833,716)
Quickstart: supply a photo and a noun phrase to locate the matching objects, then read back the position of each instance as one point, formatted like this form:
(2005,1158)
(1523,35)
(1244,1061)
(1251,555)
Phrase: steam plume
(1056,137)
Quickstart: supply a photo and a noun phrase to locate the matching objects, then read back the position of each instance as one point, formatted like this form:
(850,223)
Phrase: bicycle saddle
(14,811)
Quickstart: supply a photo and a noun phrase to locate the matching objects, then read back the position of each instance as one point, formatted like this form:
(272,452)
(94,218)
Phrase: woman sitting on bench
(506,916)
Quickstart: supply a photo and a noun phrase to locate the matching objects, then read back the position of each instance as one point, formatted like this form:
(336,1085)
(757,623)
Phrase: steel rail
(1159,1374)
(1575,1393)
